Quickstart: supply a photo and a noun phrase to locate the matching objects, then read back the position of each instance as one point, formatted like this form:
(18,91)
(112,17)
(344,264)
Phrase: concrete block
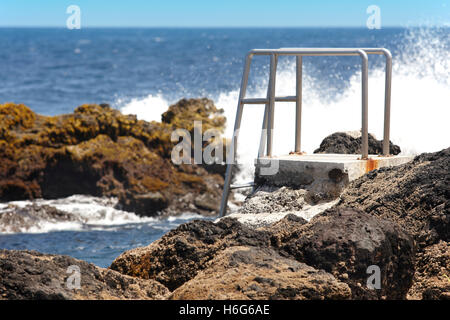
(319,171)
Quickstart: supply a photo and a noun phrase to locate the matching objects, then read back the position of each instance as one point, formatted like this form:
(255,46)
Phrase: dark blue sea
(143,71)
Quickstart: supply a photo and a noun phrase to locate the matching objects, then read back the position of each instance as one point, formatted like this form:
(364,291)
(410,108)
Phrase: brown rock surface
(206,260)
(342,242)
(35,276)
(346,143)
(181,253)
(376,222)
(432,277)
(285,229)
(345,242)
(415,195)
(245,272)
(100,152)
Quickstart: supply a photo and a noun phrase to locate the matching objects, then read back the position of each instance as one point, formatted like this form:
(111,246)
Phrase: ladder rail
(271,114)
(237,125)
(298,103)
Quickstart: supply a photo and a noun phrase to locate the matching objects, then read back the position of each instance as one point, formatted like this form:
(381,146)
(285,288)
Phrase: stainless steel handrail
(269,101)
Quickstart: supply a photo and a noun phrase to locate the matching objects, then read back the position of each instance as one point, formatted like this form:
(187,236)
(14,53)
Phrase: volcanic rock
(246,272)
(345,242)
(273,200)
(181,253)
(342,242)
(432,277)
(35,276)
(350,143)
(98,151)
(415,195)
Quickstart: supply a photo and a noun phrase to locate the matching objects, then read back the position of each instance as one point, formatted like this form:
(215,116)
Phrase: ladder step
(255,101)
(243,185)
(265,100)
(286,99)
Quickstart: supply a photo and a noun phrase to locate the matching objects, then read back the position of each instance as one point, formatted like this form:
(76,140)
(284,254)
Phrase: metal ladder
(270,99)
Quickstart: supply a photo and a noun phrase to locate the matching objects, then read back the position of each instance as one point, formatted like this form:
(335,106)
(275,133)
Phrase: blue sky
(223,13)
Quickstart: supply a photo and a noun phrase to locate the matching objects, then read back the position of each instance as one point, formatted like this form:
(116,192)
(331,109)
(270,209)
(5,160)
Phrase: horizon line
(221,27)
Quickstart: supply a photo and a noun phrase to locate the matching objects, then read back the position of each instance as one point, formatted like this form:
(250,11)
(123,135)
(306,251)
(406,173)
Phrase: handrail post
(272,79)
(387,101)
(231,158)
(365,109)
(298,104)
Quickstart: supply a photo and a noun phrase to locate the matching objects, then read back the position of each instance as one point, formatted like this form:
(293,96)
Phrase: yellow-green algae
(113,154)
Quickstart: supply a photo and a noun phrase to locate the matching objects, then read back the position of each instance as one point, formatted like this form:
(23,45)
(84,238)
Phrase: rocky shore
(34,276)
(98,151)
(282,243)
(324,258)
(394,218)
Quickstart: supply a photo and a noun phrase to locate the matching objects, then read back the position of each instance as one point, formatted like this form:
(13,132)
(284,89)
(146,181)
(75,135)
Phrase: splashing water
(420,107)
(86,213)
(149,109)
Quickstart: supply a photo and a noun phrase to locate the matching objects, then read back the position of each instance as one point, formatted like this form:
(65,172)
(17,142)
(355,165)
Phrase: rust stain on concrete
(371,164)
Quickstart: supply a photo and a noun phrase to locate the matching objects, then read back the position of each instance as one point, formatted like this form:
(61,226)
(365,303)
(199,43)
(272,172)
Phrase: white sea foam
(149,108)
(263,219)
(86,213)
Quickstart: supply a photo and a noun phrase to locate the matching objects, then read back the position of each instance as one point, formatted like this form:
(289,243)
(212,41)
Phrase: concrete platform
(312,169)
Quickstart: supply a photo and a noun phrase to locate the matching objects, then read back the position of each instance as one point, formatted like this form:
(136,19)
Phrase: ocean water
(143,71)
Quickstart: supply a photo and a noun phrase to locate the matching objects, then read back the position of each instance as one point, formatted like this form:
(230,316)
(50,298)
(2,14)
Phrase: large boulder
(350,143)
(186,111)
(181,253)
(415,195)
(246,272)
(346,242)
(31,275)
(98,151)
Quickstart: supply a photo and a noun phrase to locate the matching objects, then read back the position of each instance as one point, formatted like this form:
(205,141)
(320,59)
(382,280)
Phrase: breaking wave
(420,103)
(74,213)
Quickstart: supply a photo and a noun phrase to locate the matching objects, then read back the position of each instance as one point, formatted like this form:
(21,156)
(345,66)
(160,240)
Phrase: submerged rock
(350,143)
(98,151)
(31,275)
(76,212)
